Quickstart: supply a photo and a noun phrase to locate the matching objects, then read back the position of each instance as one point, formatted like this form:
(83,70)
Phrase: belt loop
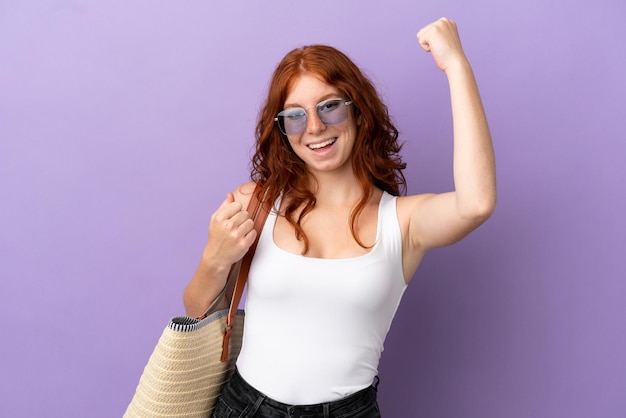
(255,407)
(326,408)
(376,382)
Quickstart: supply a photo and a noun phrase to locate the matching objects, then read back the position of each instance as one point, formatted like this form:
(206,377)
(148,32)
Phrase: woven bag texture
(184,375)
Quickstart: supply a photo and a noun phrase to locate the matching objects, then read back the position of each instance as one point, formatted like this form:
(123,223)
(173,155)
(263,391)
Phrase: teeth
(323,144)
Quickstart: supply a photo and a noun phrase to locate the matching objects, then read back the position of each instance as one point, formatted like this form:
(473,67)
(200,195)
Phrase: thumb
(230,198)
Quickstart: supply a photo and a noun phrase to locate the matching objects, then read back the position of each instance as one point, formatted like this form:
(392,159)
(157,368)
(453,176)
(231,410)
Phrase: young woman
(341,245)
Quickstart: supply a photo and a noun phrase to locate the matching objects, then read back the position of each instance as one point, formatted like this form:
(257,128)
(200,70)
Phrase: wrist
(458,66)
(214,266)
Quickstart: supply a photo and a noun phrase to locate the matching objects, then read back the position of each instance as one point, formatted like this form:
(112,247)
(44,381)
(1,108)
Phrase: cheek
(293,141)
(352,129)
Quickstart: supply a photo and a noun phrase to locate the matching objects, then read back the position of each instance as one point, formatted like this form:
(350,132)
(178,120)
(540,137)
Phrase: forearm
(231,232)
(474,161)
(204,287)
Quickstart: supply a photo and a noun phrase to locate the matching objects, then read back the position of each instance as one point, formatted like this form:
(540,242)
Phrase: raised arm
(443,219)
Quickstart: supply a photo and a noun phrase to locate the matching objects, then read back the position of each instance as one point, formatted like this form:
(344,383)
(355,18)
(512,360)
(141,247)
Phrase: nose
(314,124)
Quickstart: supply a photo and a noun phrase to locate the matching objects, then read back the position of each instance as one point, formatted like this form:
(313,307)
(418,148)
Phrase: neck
(341,189)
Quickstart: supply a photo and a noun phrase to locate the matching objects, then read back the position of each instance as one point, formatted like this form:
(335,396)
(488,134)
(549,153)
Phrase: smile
(322,144)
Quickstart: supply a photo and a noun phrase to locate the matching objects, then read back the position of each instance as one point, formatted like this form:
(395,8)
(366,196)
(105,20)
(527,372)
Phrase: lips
(322,144)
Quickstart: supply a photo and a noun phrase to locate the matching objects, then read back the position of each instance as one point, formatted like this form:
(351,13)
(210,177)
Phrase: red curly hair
(375,157)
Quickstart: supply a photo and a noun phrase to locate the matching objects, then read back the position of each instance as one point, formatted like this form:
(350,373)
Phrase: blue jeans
(240,400)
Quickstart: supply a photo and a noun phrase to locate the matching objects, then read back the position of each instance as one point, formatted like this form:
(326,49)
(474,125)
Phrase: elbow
(480,209)
(487,206)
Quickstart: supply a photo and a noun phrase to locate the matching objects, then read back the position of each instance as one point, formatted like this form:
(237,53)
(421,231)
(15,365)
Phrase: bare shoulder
(243,193)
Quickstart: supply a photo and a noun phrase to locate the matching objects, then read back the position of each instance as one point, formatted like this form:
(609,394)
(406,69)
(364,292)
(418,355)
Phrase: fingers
(230,216)
(422,37)
(229,206)
(442,27)
(443,22)
(239,225)
(231,231)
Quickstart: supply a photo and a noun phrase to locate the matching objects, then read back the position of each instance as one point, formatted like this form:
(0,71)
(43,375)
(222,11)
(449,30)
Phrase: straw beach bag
(194,357)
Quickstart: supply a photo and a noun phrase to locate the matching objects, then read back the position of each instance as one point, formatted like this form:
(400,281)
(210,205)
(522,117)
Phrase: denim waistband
(248,393)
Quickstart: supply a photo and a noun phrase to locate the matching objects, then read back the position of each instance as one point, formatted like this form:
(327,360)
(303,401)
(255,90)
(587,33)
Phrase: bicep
(435,221)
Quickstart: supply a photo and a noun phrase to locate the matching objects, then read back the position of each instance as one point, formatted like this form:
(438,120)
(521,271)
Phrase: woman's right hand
(231,233)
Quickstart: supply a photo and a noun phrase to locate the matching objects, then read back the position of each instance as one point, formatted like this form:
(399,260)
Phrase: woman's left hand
(442,40)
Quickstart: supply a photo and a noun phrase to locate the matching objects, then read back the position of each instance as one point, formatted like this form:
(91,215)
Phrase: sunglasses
(293,120)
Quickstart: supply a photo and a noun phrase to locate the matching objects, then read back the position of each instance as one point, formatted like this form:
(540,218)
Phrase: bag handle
(254,207)
(258,208)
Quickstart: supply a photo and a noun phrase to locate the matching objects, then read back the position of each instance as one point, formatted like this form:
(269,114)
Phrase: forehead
(308,90)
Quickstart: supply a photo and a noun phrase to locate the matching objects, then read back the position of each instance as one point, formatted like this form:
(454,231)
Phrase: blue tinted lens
(293,121)
(332,112)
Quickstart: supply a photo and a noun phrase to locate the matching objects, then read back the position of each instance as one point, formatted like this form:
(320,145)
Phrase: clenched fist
(231,233)
(441,39)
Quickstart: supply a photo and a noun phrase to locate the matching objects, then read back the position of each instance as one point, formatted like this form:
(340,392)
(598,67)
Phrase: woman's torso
(315,326)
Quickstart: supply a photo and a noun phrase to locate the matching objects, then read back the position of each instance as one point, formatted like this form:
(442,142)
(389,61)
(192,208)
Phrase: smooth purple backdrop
(124,123)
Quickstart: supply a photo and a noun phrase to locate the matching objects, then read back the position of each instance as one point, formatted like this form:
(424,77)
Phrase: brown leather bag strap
(258,208)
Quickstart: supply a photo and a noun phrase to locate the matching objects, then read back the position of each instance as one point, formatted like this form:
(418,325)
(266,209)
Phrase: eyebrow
(325,97)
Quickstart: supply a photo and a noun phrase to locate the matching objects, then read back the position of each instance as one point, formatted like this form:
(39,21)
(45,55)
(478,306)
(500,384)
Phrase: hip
(240,400)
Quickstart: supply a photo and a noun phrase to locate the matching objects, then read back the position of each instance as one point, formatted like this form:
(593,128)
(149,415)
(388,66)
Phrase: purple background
(124,123)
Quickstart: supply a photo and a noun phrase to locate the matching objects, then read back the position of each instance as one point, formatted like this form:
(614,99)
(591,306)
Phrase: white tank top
(314,328)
